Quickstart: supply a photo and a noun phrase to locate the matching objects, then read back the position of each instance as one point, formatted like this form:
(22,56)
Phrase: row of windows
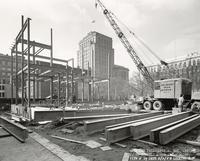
(179,65)
(5,73)
(2,95)
(2,81)
(2,87)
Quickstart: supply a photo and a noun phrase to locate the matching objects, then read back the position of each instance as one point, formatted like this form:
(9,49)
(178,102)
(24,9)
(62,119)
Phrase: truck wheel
(157,105)
(195,107)
(147,105)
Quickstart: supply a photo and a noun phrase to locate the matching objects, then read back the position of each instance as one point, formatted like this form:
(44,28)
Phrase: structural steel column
(11,77)
(51,64)
(28,64)
(16,76)
(67,81)
(22,63)
(34,75)
(58,89)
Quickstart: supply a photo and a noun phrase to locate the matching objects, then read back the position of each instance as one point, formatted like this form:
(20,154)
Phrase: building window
(180,64)
(194,62)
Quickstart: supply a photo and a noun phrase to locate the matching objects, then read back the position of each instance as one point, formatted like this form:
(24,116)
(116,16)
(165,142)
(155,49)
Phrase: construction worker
(180,102)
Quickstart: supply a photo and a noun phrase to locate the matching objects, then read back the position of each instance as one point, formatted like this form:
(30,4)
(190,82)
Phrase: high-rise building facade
(96,52)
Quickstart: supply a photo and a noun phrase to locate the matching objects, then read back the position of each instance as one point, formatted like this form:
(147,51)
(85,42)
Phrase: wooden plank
(154,134)
(176,131)
(18,131)
(143,128)
(55,149)
(119,133)
(99,125)
(69,140)
(193,143)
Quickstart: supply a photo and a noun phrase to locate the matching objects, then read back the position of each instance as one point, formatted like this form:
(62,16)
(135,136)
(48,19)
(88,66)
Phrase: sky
(171,28)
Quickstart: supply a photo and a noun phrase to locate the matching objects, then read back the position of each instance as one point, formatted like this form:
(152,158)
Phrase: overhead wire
(140,40)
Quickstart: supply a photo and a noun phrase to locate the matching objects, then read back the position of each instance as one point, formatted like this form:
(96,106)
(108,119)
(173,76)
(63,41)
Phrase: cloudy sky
(171,28)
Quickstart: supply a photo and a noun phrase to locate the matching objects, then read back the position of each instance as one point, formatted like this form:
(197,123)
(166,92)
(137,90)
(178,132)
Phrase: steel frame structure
(31,71)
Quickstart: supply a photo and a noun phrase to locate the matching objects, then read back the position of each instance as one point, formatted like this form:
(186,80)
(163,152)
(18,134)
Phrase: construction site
(54,110)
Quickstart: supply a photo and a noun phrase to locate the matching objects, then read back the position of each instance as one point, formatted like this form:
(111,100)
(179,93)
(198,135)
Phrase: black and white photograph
(100,80)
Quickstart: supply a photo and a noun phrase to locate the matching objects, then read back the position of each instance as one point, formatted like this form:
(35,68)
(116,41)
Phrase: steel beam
(28,65)
(17,130)
(36,44)
(99,125)
(176,131)
(119,133)
(142,129)
(22,64)
(154,135)
(56,114)
(82,118)
(22,30)
(45,57)
(47,67)
(16,76)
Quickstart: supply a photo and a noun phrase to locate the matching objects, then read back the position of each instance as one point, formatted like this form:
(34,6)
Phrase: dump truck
(167,92)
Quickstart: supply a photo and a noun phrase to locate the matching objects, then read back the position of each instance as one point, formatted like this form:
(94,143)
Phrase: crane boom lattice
(132,53)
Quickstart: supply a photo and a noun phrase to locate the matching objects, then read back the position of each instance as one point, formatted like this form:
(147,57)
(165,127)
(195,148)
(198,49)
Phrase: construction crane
(139,64)
(162,98)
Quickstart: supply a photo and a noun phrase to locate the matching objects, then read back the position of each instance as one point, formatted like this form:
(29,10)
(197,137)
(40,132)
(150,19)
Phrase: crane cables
(141,41)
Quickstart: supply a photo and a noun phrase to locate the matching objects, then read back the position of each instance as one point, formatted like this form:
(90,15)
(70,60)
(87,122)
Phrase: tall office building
(95,52)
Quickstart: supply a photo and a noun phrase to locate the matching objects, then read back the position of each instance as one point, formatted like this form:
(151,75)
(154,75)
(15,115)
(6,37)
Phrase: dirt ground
(186,152)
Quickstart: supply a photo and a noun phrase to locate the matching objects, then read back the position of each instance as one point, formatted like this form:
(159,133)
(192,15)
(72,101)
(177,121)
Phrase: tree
(139,86)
